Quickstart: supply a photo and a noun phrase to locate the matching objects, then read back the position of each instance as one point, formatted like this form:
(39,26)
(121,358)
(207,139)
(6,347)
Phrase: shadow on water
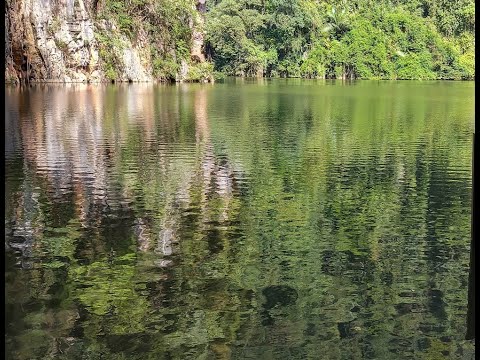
(277,296)
(471,279)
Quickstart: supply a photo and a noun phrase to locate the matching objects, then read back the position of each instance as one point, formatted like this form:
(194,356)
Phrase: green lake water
(269,219)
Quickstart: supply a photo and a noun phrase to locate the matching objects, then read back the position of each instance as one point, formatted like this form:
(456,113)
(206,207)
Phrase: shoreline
(159,82)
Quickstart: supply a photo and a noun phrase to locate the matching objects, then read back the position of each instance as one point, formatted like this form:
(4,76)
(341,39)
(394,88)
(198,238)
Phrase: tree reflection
(177,222)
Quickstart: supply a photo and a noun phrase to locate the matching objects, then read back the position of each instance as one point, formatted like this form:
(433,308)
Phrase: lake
(249,219)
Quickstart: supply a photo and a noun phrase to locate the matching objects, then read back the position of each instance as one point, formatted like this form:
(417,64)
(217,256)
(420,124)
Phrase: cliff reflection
(236,222)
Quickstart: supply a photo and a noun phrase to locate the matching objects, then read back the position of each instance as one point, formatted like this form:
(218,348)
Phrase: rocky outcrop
(50,40)
(133,69)
(10,73)
(58,41)
(197,52)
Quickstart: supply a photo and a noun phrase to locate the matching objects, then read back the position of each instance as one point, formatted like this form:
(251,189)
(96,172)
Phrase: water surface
(279,219)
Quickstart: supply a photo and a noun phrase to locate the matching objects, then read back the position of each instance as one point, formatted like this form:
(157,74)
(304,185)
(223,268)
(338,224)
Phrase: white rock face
(183,71)
(59,38)
(197,33)
(133,69)
(96,76)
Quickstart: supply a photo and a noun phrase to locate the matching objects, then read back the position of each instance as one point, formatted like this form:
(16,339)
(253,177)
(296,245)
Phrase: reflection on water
(244,220)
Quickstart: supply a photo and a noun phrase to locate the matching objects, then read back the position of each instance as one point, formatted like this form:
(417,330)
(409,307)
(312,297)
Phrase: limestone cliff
(83,41)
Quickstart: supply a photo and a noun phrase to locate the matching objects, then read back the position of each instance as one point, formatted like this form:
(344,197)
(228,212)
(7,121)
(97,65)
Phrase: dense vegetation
(386,39)
(392,39)
(167,26)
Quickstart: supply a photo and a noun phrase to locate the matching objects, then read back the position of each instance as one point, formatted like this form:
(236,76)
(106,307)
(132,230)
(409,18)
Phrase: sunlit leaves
(363,39)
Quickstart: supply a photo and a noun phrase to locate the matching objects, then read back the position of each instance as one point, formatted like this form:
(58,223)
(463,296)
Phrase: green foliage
(217,75)
(359,39)
(313,65)
(164,68)
(120,12)
(252,38)
(109,45)
(167,24)
(201,72)
(466,63)
(170,32)
(364,39)
(414,66)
